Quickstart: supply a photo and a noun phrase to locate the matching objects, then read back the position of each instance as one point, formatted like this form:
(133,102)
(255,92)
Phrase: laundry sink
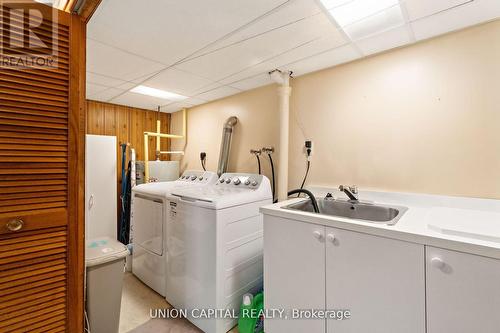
(367,212)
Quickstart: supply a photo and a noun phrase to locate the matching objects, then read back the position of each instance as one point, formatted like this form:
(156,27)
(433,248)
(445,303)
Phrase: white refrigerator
(100,187)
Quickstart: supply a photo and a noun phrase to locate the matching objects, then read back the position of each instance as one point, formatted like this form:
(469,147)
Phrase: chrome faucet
(351,192)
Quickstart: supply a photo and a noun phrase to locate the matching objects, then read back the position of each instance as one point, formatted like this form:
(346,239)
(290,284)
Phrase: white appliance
(100,187)
(214,246)
(159,171)
(149,217)
(163,171)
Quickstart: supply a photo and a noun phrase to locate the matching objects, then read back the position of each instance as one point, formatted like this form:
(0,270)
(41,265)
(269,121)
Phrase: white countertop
(461,224)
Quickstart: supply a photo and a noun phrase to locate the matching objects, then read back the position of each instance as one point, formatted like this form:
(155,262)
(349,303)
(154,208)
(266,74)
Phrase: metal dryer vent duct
(225,146)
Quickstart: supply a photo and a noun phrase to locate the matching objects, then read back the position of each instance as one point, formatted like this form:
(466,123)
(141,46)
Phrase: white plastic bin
(105,262)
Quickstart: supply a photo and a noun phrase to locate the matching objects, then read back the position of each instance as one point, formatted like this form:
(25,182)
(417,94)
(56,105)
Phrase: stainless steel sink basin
(367,212)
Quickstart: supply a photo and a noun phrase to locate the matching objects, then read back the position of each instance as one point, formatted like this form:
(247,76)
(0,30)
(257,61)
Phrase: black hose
(272,173)
(258,162)
(309,194)
(203,157)
(305,177)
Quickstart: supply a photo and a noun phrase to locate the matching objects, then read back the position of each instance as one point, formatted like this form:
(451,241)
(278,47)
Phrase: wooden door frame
(76,168)
(76,164)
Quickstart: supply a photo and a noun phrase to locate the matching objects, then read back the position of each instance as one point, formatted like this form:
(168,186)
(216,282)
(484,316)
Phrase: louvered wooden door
(40,171)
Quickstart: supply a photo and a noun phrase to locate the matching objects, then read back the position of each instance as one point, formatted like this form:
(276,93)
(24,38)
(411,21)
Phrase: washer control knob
(236,181)
(222,180)
(254,183)
(193,177)
(247,182)
(228,181)
(200,178)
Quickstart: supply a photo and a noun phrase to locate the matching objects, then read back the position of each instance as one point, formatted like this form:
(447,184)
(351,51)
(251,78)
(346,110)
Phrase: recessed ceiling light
(360,18)
(158,93)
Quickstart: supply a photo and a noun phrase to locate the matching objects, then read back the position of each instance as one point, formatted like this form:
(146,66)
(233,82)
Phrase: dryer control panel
(198,177)
(243,180)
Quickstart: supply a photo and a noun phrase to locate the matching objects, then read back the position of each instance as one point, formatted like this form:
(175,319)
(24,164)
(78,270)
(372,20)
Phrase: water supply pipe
(284,92)
(225,146)
(159,136)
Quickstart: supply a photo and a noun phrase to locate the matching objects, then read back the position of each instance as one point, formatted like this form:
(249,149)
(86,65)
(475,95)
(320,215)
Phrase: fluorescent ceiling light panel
(362,18)
(158,93)
(357,10)
(329,4)
(375,24)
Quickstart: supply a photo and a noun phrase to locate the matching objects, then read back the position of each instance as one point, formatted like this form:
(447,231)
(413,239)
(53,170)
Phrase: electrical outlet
(308,147)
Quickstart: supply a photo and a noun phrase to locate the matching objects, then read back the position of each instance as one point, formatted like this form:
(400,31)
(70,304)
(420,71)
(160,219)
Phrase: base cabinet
(380,281)
(294,273)
(387,285)
(463,292)
(307,266)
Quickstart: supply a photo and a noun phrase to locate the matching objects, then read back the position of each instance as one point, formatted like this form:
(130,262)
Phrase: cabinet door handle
(330,238)
(91,201)
(318,235)
(15,225)
(437,263)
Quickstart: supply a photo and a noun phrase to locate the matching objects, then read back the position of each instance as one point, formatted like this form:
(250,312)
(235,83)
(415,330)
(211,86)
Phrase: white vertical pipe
(284,92)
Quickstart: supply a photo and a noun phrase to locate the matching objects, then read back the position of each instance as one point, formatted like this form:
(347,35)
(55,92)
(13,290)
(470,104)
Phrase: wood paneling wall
(128,125)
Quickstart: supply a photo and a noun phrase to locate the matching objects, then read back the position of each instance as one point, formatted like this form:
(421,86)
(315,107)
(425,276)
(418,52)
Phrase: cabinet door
(463,292)
(100,186)
(380,280)
(294,272)
(41,171)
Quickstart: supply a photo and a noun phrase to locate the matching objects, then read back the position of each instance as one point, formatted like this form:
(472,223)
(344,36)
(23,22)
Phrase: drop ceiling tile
(194,101)
(109,61)
(103,80)
(333,40)
(253,82)
(218,93)
(457,18)
(290,12)
(239,57)
(327,59)
(127,85)
(140,101)
(106,95)
(167,31)
(177,106)
(385,41)
(209,87)
(421,8)
(177,81)
(92,89)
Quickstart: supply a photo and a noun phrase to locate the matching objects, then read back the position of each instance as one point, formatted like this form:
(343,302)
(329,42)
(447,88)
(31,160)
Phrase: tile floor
(137,300)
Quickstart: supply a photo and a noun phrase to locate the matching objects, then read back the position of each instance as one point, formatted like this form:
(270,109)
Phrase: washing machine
(215,247)
(149,215)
